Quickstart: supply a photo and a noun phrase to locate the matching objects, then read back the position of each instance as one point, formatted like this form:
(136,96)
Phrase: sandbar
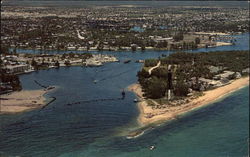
(24,100)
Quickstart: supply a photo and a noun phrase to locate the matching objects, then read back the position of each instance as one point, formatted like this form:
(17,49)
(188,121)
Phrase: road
(151,69)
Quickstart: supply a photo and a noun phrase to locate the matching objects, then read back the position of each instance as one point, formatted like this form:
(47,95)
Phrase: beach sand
(24,100)
(148,115)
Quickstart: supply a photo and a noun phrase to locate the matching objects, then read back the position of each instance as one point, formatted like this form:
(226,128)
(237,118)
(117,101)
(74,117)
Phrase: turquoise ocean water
(95,128)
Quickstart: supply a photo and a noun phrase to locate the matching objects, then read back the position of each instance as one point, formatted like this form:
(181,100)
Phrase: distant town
(120,28)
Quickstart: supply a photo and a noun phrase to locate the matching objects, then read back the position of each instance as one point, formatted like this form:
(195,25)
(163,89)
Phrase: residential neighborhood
(120,28)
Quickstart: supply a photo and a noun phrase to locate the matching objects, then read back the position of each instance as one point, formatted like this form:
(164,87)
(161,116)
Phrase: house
(237,75)
(225,74)
(215,69)
(245,70)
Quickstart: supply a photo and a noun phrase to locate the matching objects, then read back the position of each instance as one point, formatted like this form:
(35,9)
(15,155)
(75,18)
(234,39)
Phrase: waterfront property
(15,69)
(171,86)
(24,63)
(191,72)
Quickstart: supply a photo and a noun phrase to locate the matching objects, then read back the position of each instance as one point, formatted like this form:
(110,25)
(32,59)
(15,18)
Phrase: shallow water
(94,128)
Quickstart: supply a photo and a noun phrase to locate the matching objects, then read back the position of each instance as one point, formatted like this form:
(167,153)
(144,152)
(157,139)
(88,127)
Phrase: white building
(17,68)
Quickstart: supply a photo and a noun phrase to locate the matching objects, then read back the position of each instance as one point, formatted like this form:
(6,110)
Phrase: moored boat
(127,61)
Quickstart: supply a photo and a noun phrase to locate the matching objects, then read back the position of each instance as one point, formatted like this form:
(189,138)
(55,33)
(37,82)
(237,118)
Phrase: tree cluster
(186,66)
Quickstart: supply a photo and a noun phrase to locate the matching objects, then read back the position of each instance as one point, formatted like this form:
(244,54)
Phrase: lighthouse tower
(169,85)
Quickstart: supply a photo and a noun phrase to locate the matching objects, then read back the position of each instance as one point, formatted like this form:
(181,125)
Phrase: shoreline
(172,112)
(25,100)
(217,44)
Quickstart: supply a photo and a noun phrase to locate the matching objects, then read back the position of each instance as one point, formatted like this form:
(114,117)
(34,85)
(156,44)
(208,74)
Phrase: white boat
(135,100)
(152,147)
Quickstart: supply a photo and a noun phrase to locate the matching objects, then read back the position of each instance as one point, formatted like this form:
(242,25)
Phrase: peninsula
(149,115)
(198,79)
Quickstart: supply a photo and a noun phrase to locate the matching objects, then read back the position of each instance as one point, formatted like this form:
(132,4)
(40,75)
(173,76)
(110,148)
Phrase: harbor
(100,128)
(124,78)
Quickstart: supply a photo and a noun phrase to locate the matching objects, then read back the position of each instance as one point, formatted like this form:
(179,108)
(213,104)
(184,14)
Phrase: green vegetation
(150,62)
(4,49)
(9,81)
(178,37)
(197,40)
(232,60)
(185,66)
(67,63)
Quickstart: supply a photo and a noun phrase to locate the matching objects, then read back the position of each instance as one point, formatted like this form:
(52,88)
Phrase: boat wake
(135,135)
(139,132)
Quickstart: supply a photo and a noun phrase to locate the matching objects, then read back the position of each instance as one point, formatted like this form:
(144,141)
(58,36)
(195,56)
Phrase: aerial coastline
(127,78)
(171,86)
(171,112)
(148,48)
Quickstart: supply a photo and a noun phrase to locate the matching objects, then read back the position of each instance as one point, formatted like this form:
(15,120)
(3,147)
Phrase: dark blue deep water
(96,128)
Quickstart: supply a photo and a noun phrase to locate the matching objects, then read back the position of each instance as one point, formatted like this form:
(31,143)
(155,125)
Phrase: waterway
(96,128)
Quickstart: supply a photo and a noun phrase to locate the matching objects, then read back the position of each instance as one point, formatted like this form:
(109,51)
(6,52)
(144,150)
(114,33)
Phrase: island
(171,86)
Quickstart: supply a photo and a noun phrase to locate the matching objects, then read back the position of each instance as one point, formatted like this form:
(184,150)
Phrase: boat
(127,61)
(123,94)
(139,61)
(211,46)
(135,100)
(152,147)
(95,81)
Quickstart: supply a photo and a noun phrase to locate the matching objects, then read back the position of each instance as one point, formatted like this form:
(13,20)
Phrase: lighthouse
(169,80)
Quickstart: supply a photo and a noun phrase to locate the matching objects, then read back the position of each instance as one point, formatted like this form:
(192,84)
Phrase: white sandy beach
(171,112)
